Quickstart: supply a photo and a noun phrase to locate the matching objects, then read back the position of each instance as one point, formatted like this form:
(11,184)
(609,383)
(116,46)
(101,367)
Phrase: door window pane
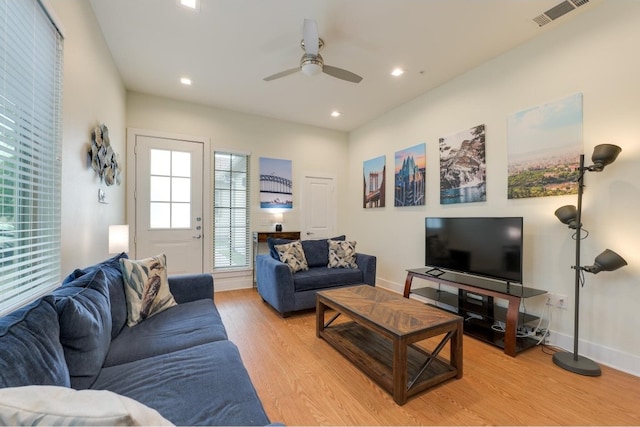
(160,162)
(181,163)
(160,215)
(180,215)
(170,189)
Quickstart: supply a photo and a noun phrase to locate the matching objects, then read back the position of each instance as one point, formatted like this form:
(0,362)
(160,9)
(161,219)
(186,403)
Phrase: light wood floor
(301,380)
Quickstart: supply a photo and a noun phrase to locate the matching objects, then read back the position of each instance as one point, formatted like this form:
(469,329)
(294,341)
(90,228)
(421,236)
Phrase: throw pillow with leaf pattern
(342,254)
(293,255)
(146,287)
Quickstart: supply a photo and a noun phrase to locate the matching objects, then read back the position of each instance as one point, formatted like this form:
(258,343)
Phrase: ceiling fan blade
(310,37)
(281,74)
(341,74)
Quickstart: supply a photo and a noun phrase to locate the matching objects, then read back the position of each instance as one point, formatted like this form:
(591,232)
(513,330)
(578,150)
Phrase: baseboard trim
(616,359)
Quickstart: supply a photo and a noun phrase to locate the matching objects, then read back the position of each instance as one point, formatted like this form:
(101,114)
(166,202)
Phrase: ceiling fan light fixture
(311,69)
(336,113)
(397,72)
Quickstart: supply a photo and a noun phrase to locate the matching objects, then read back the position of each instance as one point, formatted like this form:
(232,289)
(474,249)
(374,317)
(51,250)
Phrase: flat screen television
(488,247)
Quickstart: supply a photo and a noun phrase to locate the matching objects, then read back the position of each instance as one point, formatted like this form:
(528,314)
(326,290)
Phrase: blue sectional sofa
(287,292)
(178,362)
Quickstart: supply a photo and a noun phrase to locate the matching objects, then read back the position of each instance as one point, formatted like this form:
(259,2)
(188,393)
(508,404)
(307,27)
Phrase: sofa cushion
(51,405)
(317,251)
(183,326)
(342,254)
(292,254)
(111,269)
(146,287)
(325,277)
(201,385)
(30,349)
(85,326)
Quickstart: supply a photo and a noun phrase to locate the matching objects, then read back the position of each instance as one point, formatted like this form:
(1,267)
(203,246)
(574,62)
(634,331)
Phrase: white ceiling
(229,46)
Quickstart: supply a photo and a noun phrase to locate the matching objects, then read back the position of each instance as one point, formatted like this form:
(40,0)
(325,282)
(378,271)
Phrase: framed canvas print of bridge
(276,186)
(374,172)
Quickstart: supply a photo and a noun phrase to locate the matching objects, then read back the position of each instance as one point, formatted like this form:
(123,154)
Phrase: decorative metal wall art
(103,159)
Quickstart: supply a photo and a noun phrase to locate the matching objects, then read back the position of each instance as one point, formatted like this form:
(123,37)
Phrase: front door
(319,206)
(168,202)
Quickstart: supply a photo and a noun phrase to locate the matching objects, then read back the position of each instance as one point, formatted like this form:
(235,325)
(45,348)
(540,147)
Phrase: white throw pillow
(342,254)
(293,255)
(52,405)
(146,287)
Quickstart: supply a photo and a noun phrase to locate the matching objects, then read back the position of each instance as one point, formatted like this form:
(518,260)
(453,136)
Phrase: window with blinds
(231,210)
(30,128)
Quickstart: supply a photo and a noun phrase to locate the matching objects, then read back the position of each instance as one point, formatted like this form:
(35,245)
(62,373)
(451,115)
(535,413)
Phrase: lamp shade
(603,155)
(568,214)
(118,239)
(606,261)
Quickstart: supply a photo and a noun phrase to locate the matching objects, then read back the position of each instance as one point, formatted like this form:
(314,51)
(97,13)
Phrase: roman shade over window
(231,210)
(30,146)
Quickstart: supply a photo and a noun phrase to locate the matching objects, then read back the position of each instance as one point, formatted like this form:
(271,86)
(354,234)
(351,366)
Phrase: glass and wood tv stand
(475,302)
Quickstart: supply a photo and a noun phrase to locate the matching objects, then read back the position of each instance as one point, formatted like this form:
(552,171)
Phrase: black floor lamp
(608,260)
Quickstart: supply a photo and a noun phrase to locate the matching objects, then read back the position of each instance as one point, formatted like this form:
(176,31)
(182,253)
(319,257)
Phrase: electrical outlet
(556,300)
(562,302)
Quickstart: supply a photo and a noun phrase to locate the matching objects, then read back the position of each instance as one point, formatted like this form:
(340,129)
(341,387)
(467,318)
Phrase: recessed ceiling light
(397,72)
(335,114)
(191,4)
(185,81)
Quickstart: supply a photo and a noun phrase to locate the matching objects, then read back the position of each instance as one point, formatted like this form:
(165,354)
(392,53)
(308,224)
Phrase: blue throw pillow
(111,268)
(85,326)
(317,251)
(30,349)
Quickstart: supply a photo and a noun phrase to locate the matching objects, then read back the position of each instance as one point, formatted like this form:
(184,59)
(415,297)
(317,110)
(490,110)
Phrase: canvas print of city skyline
(373,182)
(276,186)
(410,169)
(463,167)
(545,143)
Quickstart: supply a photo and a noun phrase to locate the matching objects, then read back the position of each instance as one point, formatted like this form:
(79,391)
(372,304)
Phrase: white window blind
(231,210)
(30,127)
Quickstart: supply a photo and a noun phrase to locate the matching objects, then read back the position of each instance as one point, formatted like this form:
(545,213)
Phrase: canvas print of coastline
(275,183)
(374,172)
(463,167)
(545,143)
(410,171)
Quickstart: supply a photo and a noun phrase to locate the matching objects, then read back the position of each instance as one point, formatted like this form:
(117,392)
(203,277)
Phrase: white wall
(93,93)
(595,54)
(311,149)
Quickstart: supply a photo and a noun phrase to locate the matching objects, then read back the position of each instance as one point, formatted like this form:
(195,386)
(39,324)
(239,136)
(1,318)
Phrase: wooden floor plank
(302,380)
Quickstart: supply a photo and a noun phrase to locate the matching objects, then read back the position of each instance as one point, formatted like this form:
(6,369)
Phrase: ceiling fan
(311,62)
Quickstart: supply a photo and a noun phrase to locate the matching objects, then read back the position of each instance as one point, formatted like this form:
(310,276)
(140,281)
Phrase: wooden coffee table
(380,338)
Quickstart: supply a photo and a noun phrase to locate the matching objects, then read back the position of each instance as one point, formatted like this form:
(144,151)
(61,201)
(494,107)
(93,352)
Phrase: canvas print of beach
(545,143)
(463,167)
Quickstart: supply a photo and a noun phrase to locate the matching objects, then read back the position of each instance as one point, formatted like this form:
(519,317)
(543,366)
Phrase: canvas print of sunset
(410,176)
(545,143)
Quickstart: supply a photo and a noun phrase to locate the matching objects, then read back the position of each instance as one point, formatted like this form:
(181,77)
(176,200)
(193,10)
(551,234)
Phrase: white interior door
(168,202)
(320,207)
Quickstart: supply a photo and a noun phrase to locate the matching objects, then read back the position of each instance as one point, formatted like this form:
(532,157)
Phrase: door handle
(197,236)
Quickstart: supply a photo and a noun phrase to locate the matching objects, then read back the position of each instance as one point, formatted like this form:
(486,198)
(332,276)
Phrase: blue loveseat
(178,362)
(287,292)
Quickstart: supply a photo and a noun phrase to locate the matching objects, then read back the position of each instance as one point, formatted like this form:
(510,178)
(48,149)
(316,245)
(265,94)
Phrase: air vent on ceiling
(558,10)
